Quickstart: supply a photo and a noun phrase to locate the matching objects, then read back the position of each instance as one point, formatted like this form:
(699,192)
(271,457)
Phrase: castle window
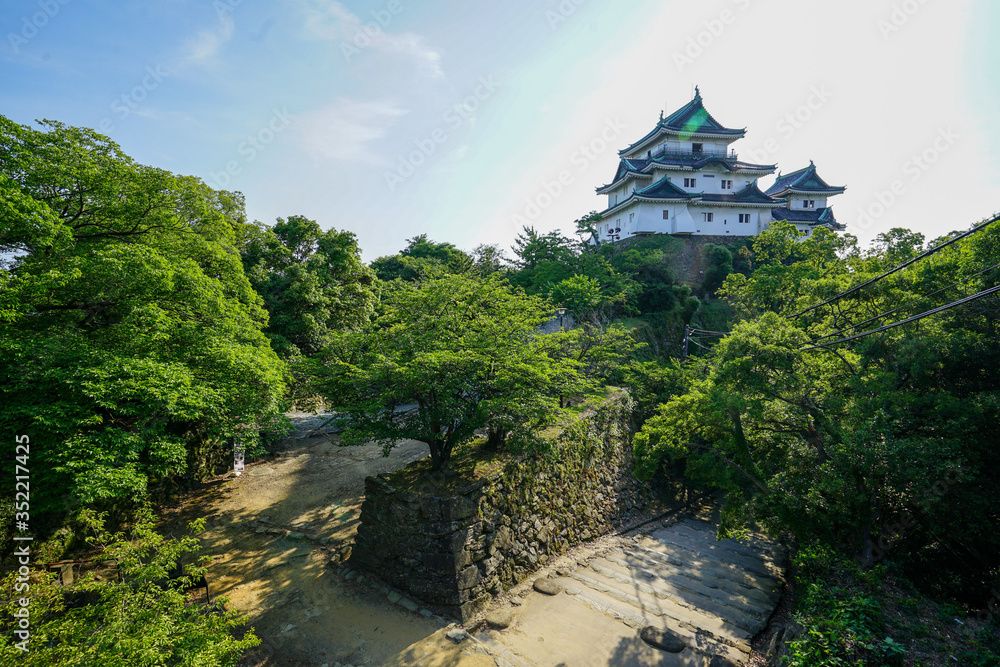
(727,185)
(809,203)
(708,217)
(666,214)
(697,149)
(744,217)
(690,182)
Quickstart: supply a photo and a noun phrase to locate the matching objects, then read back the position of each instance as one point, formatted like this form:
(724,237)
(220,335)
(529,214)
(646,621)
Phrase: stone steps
(706,532)
(652,566)
(699,641)
(713,551)
(698,565)
(714,595)
(685,589)
(700,615)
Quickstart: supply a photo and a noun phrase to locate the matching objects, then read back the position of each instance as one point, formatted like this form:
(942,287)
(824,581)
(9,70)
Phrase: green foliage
(876,446)
(423,259)
(841,614)
(464,349)
(581,296)
(313,282)
(719,264)
(137,617)
(573,276)
(131,335)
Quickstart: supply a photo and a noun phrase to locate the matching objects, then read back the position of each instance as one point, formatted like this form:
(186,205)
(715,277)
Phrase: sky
(468,120)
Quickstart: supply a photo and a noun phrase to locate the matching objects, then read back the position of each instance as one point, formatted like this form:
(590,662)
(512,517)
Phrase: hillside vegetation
(148,330)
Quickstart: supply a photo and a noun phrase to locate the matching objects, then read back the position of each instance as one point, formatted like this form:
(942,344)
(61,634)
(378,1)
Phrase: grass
(853,618)
(475,460)
(469,463)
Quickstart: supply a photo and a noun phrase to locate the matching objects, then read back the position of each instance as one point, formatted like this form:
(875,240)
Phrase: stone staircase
(713,595)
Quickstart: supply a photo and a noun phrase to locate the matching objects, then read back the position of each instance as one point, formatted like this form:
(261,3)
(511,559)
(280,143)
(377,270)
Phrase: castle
(682,178)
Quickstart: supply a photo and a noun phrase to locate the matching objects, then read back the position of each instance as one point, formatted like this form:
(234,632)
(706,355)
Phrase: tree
(869,445)
(463,349)
(131,349)
(135,617)
(720,265)
(422,259)
(586,228)
(313,282)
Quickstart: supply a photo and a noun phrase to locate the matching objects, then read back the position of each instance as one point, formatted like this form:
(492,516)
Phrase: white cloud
(205,46)
(345,130)
(330,20)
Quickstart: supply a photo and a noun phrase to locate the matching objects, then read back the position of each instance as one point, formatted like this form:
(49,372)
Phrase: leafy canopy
(461,352)
(131,349)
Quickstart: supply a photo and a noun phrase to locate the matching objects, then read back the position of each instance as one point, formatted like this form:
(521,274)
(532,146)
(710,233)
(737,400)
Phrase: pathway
(712,596)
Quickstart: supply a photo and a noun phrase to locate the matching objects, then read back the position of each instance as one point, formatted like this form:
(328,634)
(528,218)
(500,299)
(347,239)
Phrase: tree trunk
(437,455)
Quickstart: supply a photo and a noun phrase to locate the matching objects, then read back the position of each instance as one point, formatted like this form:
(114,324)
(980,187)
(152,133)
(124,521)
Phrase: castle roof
(665,189)
(691,120)
(814,218)
(805,181)
(751,194)
(696,162)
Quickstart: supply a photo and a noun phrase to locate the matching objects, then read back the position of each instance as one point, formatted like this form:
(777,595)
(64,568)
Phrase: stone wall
(456,553)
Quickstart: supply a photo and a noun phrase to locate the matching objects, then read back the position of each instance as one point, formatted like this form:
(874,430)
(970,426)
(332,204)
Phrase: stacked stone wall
(457,553)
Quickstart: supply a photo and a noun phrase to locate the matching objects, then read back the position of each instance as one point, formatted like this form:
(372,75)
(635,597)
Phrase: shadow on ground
(304,615)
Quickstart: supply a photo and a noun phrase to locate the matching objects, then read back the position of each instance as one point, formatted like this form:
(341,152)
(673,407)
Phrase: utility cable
(907,304)
(924,255)
(887,327)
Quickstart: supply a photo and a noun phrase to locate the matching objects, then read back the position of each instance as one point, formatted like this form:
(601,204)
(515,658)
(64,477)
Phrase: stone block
(444,563)
(458,508)
(430,508)
(469,577)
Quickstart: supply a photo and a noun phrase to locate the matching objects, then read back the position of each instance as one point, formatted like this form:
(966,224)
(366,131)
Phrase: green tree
(463,349)
(719,265)
(871,445)
(422,259)
(131,349)
(313,282)
(132,617)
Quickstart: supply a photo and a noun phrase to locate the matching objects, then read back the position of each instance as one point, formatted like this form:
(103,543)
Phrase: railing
(731,155)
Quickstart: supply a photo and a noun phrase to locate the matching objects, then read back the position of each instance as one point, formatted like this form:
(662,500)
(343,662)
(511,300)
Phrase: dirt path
(310,499)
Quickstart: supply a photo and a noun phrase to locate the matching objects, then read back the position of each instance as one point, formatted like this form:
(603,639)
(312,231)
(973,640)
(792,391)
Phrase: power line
(899,268)
(887,327)
(907,304)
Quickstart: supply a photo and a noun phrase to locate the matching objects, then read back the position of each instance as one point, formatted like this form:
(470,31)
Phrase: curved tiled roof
(664,189)
(693,118)
(698,162)
(805,180)
(690,120)
(751,194)
(817,217)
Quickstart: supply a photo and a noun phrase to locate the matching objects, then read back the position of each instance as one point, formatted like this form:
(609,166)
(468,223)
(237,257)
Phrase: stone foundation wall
(456,553)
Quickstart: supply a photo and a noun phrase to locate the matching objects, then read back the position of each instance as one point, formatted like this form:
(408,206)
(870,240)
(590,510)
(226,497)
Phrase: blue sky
(392,118)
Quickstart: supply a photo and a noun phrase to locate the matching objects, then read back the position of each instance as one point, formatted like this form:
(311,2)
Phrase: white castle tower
(683,178)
